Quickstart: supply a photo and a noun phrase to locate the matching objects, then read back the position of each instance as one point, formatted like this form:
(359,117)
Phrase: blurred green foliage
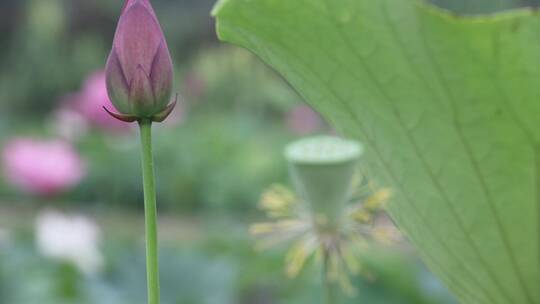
(215,270)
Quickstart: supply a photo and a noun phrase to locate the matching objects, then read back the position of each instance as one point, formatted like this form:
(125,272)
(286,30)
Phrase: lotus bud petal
(161,75)
(139,69)
(117,85)
(141,95)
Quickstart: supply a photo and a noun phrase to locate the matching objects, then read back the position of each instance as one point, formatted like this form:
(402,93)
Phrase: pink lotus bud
(42,167)
(139,69)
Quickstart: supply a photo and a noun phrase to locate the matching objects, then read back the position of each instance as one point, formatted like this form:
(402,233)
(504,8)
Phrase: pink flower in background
(42,167)
(89,102)
(302,120)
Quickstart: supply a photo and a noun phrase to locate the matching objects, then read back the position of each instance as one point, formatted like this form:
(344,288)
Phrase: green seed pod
(322,169)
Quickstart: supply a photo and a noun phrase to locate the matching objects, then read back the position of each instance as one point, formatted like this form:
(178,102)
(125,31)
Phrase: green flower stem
(331,288)
(150,212)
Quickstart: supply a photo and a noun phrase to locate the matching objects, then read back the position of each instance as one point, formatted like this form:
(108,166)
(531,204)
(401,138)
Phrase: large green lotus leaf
(449,109)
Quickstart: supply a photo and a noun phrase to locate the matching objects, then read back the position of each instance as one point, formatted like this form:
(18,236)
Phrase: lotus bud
(139,70)
(322,170)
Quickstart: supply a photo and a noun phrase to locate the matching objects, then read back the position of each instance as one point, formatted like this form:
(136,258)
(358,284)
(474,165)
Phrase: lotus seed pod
(322,169)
